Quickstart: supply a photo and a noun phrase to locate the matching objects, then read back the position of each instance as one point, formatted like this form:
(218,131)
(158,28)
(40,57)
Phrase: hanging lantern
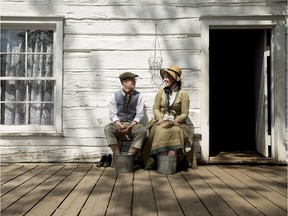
(155,62)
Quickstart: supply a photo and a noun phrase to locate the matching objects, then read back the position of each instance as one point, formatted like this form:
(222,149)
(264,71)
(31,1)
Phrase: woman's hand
(176,123)
(160,121)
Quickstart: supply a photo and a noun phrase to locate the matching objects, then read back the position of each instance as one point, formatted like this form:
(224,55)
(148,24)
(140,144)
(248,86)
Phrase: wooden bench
(191,156)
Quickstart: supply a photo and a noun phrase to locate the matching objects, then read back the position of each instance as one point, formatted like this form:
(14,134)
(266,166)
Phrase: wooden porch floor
(84,189)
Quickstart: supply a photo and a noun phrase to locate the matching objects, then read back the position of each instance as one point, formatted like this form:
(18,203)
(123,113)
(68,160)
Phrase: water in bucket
(166,164)
(124,163)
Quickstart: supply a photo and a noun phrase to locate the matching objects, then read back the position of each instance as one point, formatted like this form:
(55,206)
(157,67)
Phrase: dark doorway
(233,58)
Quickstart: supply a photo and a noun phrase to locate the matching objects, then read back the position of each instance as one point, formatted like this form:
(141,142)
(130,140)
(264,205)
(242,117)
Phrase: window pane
(12,40)
(12,90)
(40,41)
(13,113)
(27,93)
(41,114)
(40,65)
(12,65)
(41,90)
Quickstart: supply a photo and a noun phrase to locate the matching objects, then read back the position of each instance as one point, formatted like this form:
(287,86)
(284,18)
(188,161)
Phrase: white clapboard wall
(104,38)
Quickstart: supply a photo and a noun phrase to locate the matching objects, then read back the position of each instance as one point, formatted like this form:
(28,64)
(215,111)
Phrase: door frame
(275,23)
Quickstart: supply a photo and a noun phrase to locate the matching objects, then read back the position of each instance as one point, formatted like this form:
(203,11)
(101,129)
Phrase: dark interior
(233,59)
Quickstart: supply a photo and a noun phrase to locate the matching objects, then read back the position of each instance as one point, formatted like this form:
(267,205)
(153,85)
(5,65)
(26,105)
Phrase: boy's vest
(126,106)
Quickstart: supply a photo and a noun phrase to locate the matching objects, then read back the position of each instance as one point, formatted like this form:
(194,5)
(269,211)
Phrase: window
(31,75)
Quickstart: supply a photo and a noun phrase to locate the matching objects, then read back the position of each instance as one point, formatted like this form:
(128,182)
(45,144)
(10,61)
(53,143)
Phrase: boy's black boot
(107,162)
(102,161)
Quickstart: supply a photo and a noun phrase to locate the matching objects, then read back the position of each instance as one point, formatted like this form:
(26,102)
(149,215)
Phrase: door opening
(235,86)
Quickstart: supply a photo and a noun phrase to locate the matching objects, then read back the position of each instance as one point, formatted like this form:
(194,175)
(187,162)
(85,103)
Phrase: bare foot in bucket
(132,151)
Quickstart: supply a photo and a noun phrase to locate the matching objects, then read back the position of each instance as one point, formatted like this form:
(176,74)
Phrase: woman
(168,130)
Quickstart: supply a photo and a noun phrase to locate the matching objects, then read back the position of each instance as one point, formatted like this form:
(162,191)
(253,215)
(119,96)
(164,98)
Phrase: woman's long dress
(165,136)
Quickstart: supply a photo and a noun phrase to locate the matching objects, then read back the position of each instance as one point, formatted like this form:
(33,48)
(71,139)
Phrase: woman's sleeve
(157,105)
(185,103)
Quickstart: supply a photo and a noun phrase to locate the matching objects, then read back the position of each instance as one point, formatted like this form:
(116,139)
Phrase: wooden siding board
(127,12)
(189,27)
(95,129)
(49,144)
(94,99)
(172,2)
(172,11)
(84,43)
(88,151)
(92,81)
(128,60)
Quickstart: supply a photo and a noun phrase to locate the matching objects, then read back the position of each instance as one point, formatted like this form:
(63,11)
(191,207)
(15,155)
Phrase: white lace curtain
(28,55)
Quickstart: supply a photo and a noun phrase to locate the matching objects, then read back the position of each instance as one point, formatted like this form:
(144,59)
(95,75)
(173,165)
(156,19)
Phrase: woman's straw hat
(174,71)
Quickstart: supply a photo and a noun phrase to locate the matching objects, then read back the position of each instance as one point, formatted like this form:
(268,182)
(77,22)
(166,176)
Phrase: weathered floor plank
(166,200)
(278,170)
(7,168)
(50,203)
(265,182)
(9,175)
(27,202)
(143,197)
(233,199)
(99,198)
(19,180)
(245,188)
(84,189)
(186,196)
(121,199)
(14,195)
(213,202)
(76,199)
(266,191)
(273,176)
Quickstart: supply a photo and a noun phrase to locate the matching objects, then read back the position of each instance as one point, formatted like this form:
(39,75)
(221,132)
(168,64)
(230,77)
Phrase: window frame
(41,23)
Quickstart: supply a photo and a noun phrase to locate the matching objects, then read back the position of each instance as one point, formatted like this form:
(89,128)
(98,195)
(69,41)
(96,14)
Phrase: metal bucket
(166,164)
(124,163)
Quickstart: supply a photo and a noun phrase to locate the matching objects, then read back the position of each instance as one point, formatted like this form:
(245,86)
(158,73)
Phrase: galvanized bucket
(166,164)
(124,163)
